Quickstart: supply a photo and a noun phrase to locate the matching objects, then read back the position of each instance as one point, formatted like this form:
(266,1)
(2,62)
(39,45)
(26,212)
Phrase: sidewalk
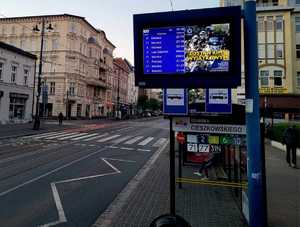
(205,206)
(201,206)
(283,189)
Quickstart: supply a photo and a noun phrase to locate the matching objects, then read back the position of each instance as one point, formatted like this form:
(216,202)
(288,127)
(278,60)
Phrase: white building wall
(9,58)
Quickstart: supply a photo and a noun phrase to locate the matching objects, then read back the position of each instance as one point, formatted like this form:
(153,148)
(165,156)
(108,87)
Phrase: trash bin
(168,220)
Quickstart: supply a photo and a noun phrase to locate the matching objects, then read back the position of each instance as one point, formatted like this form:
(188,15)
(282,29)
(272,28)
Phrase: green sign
(225,140)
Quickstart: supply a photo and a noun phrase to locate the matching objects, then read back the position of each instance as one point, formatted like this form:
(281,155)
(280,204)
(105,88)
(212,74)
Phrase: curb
(106,218)
(281,147)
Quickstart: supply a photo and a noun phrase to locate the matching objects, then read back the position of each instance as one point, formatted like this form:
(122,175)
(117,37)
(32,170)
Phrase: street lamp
(118,96)
(36,125)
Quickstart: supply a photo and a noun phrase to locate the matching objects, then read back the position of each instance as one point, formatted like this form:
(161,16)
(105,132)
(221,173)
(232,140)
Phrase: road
(69,177)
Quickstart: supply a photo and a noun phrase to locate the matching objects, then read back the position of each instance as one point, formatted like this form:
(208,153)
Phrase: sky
(112,16)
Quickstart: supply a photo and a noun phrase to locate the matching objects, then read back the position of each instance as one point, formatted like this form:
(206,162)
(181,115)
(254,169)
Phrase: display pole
(257,215)
(172,170)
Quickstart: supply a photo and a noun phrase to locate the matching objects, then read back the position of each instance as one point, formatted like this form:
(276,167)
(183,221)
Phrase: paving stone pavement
(200,205)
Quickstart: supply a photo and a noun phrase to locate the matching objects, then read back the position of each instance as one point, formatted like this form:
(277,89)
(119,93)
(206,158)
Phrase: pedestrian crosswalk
(138,140)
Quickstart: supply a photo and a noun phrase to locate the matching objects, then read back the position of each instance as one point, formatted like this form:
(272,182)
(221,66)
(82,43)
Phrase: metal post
(255,190)
(172,170)
(180,164)
(118,95)
(36,125)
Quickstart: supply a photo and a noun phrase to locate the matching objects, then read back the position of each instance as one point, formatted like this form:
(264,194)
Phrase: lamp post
(36,125)
(118,95)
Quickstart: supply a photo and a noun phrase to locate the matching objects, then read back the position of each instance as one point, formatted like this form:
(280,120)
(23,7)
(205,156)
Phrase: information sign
(175,102)
(218,100)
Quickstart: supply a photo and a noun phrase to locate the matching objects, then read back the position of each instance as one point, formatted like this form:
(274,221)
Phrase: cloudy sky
(112,16)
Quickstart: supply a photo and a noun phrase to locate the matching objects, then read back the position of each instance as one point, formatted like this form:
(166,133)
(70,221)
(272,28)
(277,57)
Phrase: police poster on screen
(207,48)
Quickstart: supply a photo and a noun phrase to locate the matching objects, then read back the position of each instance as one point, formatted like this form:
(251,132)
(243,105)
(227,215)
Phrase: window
(1,70)
(269,24)
(264,78)
(23,44)
(17,107)
(13,73)
(52,88)
(279,23)
(260,24)
(279,51)
(298,51)
(298,2)
(26,76)
(72,89)
(55,44)
(261,51)
(298,79)
(297,24)
(277,78)
(13,30)
(270,50)
(72,28)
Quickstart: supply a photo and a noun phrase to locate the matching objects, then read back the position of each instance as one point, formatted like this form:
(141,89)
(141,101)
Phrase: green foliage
(153,104)
(276,132)
(143,102)
(148,104)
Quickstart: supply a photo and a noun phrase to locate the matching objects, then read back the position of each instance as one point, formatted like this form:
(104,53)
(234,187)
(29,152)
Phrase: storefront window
(17,108)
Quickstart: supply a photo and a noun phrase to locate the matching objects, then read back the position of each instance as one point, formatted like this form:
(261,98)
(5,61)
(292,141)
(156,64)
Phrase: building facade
(120,86)
(278,32)
(132,90)
(17,69)
(77,61)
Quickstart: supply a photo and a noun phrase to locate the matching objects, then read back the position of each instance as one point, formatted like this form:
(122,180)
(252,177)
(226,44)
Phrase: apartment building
(77,60)
(120,86)
(278,32)
(17,69)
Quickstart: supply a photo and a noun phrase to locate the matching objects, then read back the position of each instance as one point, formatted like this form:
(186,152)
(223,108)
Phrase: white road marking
(127,148)
(160,142)
(113,147)
(72,136)
(108,138)
(121,139)
(86,136)
(134,140)
(96,137)
(61,214)
(40,135)
(118,130)
(146,141)
(143,150)
(50,172)
(52,134)
(64,134)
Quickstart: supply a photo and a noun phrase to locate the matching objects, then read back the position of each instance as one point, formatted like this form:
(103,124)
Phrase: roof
(122,64)
(58,15)
(17,50)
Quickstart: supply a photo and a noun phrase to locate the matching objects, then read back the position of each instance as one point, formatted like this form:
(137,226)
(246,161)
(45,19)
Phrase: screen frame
(221,15)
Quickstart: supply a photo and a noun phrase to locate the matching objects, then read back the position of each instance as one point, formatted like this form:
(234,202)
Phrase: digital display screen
(186,49)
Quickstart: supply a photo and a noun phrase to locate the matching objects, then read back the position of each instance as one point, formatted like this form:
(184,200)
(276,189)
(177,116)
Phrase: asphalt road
(69,177)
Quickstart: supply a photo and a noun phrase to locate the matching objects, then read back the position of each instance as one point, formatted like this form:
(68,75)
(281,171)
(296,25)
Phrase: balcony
(96,82)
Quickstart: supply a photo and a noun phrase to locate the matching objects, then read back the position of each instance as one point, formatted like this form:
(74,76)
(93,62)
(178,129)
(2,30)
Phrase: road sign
(175,102)
(218,100)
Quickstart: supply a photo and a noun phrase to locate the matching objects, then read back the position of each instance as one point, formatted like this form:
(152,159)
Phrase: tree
(153,104)
(143,102)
